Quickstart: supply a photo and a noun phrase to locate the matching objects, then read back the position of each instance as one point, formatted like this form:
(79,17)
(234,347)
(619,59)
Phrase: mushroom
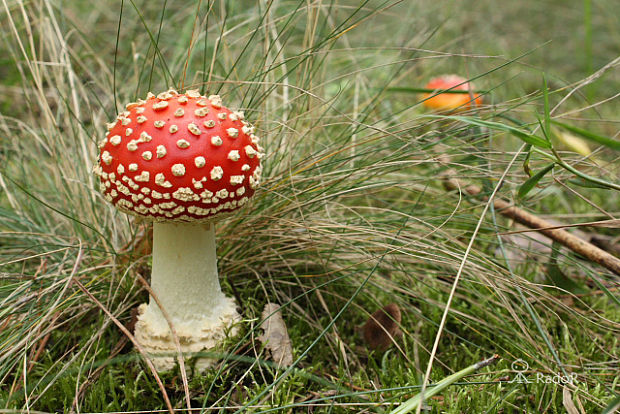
(451,101)
(382,328)
(182,161)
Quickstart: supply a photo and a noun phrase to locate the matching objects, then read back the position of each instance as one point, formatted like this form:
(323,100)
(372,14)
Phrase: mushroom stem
(185,280)
(184,275)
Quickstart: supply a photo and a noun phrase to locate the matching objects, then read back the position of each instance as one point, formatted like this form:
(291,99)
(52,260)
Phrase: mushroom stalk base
(184,279)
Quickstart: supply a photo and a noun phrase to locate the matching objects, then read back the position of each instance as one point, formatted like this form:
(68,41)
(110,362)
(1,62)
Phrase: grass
(352,214)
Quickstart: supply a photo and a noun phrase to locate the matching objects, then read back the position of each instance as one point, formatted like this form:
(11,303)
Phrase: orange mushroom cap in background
(450,101)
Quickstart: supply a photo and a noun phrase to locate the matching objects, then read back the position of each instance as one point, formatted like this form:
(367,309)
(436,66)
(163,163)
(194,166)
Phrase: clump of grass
(352,214)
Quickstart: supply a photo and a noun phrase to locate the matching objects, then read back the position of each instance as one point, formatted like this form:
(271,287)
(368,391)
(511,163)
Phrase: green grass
(352,214)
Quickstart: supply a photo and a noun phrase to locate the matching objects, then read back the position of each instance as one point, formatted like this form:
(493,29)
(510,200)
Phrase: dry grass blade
(128,334)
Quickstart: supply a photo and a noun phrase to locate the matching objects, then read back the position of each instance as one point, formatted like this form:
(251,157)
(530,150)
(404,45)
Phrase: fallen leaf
(381,328)
(567,402)
(526,245)
(521,247)
(275,336)
(574,143)
(527,242)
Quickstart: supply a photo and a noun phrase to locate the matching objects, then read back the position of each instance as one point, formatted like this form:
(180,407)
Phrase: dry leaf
(531,246)
(572,143)
(517,246)
(382,327)
(521,247)
(567,402)
(275,337)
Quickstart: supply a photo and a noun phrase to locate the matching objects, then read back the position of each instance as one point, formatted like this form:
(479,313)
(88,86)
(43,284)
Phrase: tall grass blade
(527,186)
(413,403)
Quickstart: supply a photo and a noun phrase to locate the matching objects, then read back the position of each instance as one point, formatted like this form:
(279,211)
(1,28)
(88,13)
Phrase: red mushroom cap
(448,101)
(179,157)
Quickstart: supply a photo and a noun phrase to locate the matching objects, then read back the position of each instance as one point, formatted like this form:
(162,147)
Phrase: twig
(574,243)
(613,224)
